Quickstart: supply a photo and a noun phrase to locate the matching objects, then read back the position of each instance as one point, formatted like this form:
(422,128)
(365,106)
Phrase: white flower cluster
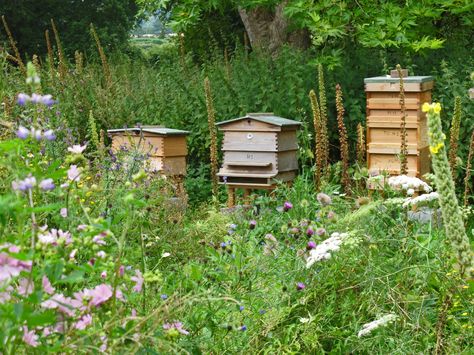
(421,200)
(409,184)
(369,327)
(323,250)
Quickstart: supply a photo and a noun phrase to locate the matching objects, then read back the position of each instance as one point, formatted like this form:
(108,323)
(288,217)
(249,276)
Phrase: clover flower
(287,206)
(323,199)
(369,327)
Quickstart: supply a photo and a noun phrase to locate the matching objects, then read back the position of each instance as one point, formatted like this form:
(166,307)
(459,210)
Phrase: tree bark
(268,29)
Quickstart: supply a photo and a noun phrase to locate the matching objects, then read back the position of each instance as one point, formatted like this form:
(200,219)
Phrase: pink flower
(74,173)
(47,287)
(24,185)
(7,295)
(81,227)
(103,274)
(72,255)
(99,239)
(63,212)
(83,322)
(47,184)
(100,294)
(63,304)
(175,325)
(11,267)
(29,337)
(25,287)
(101,254)
(121,270)
(77,148)
(139,281)
(103,347)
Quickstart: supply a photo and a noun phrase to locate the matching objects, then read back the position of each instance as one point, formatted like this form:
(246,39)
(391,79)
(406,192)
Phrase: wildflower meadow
(106,248)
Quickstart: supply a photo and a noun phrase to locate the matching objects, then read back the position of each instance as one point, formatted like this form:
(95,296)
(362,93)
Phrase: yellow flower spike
(426,107)
(437,107)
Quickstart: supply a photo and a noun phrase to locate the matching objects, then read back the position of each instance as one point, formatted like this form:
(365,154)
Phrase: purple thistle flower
(252,224)
(22,99)
(22,132)
(300,286)
(320,231)
(287,206)
(311,245)
(49,135)
(323,199)
(310,232)
(47,185)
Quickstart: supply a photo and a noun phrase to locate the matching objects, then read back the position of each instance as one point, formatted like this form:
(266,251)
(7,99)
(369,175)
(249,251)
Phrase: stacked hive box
(259,149)
(165,147)
(384,121)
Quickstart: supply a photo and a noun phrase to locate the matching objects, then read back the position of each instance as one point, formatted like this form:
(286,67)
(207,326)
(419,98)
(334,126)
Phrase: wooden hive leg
(247,193)
(230,197)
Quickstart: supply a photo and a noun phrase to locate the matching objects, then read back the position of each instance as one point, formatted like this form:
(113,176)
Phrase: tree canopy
(28,19)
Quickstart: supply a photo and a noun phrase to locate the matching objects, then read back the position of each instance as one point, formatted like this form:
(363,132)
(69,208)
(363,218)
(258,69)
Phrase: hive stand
(166,148)
(384,121)
(259,150)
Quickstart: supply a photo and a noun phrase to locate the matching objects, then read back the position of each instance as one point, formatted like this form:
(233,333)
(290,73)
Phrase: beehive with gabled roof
(259,149)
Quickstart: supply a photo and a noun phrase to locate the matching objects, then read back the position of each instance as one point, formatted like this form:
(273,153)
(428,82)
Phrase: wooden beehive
(384,121)
(259,149)
(166,147)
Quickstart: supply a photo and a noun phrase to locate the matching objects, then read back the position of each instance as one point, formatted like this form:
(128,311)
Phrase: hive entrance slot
(250,164)
(246,180)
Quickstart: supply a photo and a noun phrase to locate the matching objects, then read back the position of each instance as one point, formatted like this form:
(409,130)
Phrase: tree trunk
(267,29)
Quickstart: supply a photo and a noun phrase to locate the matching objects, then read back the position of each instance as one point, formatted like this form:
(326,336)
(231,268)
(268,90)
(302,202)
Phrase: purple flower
(22,99)
(241,308)
(47,100)
(311,245)
(74,173)
(36,133)
(63,212)
(47,185)
(11,267)
(310,232)
(22,132)
(24,185)
(262,311)
(300,286)
(287,206)
(25,287)
(243,328)
(164,296)
(49,135)
(252,224)
(35,98)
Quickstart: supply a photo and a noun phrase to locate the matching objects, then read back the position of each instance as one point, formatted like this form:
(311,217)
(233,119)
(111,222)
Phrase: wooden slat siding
(250,125)
(418,164)
(260,141)
(146,145)
(168,165)
(396,114)
(412,102)
(389,133)
(287,141)
(396,95)
(381,148)
(251,157)
(409,87)
(174,146)
(288,161)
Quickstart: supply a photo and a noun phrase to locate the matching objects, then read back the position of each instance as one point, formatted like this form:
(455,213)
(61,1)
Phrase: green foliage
(29,19)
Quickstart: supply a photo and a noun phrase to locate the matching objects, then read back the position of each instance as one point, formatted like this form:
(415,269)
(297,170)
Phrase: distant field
(147,43)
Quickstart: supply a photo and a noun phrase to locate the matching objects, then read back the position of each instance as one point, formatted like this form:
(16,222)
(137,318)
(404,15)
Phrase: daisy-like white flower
(77,148)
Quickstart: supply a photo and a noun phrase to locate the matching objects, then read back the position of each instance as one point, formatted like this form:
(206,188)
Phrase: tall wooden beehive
(166,147)
(259,149)
(384,121)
